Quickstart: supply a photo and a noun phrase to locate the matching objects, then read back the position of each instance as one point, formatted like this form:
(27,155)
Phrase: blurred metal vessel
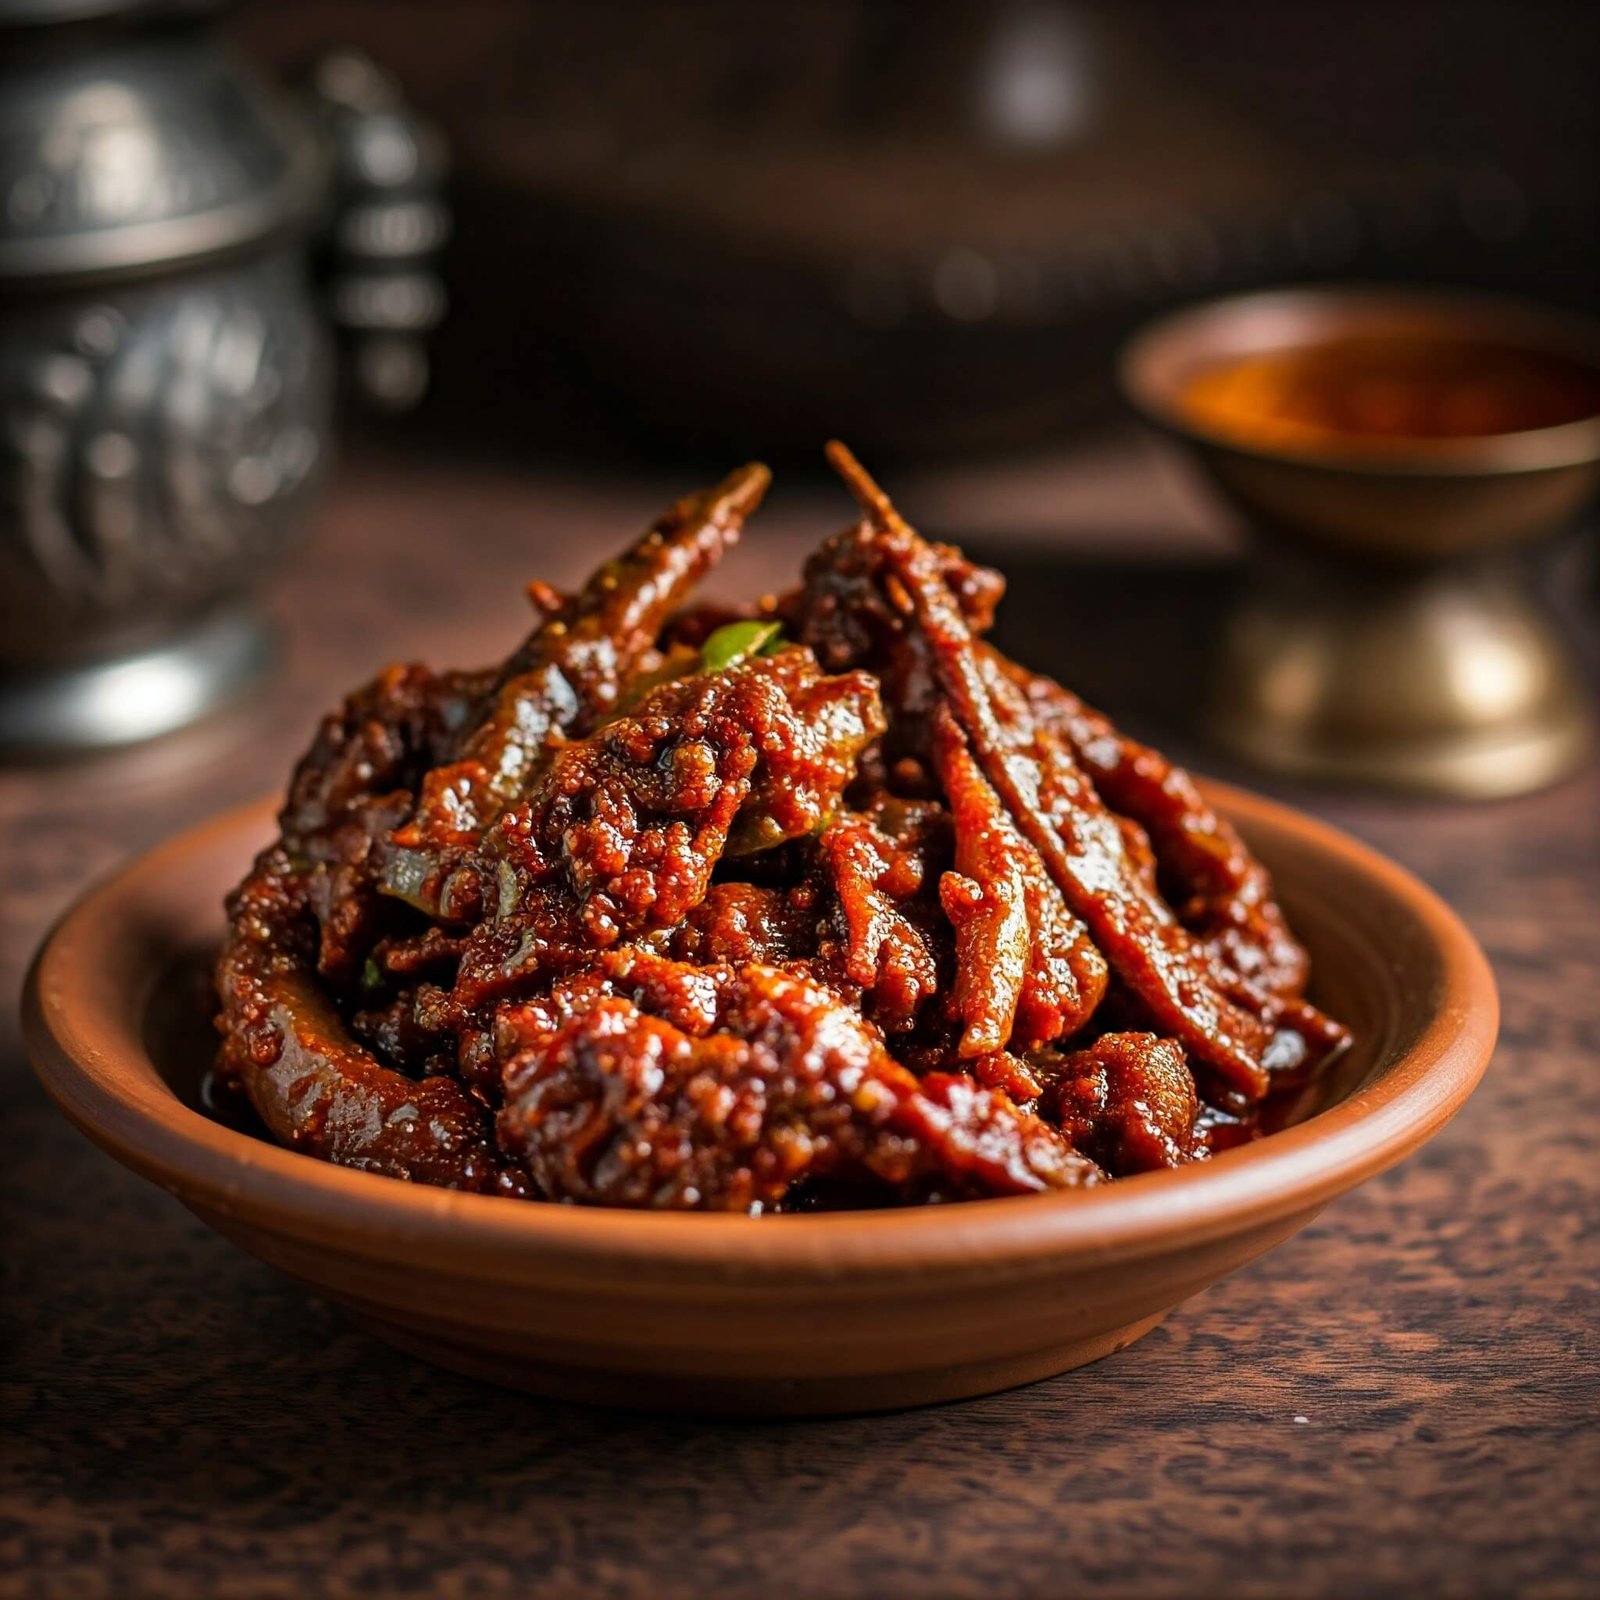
(1388,634)
(166,359)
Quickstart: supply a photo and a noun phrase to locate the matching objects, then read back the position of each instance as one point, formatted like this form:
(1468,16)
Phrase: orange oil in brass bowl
(1366,394)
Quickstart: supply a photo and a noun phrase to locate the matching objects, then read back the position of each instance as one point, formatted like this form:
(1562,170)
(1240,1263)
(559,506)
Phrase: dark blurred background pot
(730,228)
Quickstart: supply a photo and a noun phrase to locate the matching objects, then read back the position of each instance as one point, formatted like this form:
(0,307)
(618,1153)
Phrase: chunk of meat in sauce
(721,1087)
(744,922)
(844,612)
(623,830)
(1127,1100)
(354,784)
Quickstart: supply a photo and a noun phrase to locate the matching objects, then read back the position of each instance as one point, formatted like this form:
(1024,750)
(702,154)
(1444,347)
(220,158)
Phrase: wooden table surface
(1402,1400)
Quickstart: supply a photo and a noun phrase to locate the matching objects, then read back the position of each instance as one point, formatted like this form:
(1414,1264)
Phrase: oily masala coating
(818,903)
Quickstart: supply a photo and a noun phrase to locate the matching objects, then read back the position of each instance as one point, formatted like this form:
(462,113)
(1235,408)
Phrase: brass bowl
(1387,634)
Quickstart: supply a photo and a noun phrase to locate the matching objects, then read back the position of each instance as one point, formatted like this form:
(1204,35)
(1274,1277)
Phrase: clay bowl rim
(84,1036)
(1152,363)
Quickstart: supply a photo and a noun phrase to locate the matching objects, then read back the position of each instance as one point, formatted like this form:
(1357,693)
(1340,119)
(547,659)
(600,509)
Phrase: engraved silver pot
(166,364)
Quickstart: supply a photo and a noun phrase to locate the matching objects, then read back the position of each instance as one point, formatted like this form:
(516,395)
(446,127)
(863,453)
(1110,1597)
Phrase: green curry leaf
(738,641)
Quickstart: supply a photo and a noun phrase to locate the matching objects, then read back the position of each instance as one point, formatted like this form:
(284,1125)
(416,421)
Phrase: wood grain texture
(1403,1400)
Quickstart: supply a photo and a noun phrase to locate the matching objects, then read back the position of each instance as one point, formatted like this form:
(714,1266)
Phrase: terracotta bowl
(828,1313)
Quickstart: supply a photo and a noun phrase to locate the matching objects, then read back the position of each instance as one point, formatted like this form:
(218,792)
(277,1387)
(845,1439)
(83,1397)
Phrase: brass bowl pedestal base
(1446,679)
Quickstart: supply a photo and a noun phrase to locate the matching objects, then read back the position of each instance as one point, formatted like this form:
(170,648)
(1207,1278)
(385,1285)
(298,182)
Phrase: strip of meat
(998,894)
(1222,892)
(979,1142)
(985,898)
(581,655)
(1067,975)
(621,609)
(1058,811)
(755,1079)
(879,951)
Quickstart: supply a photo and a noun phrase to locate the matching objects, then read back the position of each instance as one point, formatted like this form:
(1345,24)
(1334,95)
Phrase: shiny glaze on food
(823,904)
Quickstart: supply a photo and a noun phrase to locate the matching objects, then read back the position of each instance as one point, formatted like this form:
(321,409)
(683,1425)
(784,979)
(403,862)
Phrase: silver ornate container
(166,369)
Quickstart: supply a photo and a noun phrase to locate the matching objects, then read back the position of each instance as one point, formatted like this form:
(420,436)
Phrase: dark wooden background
(1401,1401)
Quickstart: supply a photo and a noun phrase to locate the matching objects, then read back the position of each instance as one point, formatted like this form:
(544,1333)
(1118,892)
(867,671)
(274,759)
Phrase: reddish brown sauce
(827,903)
(1376,392)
